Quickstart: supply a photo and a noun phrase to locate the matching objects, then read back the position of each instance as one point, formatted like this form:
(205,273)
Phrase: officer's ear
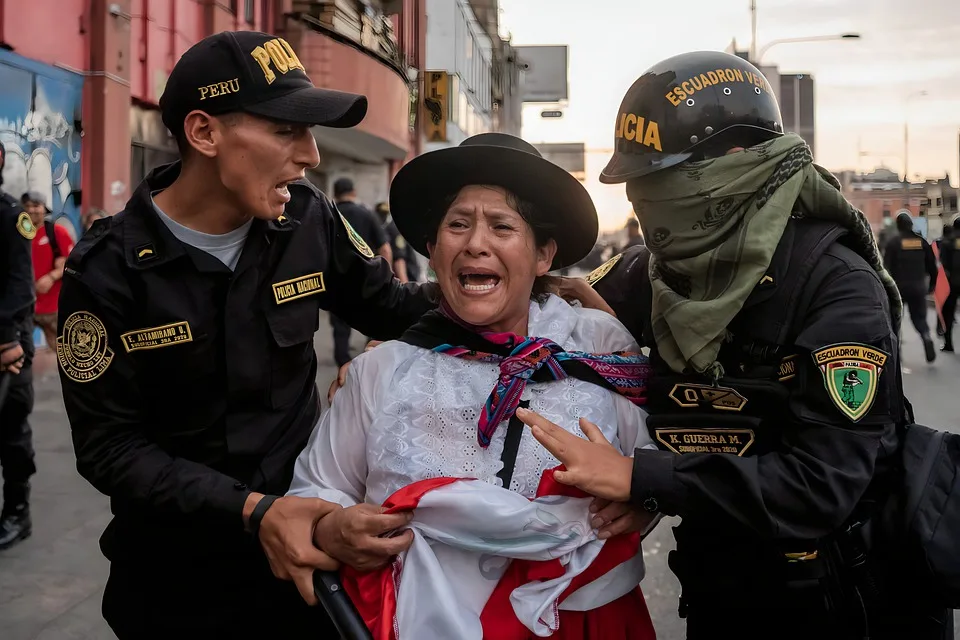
(200,133)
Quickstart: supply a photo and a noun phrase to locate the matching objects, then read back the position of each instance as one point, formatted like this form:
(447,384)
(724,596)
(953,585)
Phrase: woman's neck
(518,324)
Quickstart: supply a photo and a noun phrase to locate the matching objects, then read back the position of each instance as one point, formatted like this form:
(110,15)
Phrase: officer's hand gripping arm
(824,463)
(102,392)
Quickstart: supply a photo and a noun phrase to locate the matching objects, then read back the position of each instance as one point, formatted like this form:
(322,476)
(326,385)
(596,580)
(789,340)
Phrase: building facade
(881,194)
(459,73)
(82,80)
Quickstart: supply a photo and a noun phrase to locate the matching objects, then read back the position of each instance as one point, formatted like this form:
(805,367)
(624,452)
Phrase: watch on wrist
(256,517)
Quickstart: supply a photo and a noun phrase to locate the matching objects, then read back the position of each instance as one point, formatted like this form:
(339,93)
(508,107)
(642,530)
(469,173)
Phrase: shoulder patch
(82,349)
(25,227)
(597,274)
(401,243)
(851,374)
(356,238)
(98,231)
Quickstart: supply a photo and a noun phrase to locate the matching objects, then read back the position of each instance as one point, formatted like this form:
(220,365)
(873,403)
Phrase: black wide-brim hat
(425,184)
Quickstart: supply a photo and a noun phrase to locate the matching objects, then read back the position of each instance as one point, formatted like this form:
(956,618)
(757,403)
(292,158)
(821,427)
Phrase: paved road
(51,585)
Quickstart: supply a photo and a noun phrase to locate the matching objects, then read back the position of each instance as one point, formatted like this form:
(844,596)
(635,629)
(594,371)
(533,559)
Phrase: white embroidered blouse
(407,414)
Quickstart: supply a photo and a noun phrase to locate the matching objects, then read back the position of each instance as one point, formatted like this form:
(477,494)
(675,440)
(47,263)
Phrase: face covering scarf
(522,359)
(712,228)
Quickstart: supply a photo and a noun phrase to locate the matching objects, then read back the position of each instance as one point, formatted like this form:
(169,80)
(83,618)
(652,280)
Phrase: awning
(357,145)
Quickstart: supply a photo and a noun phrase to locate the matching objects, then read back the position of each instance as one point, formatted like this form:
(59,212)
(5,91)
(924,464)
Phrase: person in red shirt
(51,246)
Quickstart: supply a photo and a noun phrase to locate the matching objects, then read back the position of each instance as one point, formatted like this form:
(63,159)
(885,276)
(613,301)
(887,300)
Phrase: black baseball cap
(256,73)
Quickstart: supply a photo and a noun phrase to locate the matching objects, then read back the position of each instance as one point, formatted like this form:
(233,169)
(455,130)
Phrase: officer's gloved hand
(11,357)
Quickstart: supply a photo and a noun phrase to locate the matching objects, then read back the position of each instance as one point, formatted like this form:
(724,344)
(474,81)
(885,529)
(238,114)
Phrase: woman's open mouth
(478,282)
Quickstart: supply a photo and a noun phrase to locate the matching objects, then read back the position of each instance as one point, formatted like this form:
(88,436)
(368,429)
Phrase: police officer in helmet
(759,292)
(910,260)
(17,299)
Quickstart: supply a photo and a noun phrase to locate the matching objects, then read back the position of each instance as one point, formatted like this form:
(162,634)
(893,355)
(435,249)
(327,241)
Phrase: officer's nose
(306,153)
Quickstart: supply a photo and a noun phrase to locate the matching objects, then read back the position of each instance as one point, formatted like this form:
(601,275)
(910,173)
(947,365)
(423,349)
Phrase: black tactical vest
(910,272)
(740,413)
(950,258)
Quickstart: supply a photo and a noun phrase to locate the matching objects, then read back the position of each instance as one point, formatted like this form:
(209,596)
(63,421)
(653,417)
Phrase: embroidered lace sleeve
(333,466)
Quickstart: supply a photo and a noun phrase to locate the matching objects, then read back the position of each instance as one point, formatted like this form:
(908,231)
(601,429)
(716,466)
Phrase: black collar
(148,243)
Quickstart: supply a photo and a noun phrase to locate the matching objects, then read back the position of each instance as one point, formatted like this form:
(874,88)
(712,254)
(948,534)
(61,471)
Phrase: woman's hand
(595,466)
(353,536)
(614,518)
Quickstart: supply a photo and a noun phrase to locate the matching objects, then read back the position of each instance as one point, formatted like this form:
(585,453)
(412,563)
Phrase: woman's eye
(503,227)
(456,224)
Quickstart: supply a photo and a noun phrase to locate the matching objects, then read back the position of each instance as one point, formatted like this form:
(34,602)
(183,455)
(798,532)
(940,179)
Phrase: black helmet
(689,105)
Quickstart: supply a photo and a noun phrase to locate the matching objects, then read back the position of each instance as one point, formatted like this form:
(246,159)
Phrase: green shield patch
(851,374)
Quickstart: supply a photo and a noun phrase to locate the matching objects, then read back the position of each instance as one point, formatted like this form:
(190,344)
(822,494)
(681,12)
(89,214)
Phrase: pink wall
(46,30)
(338,66)
(161,30)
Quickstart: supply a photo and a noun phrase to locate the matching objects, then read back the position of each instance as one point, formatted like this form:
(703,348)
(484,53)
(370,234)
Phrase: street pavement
(51,584)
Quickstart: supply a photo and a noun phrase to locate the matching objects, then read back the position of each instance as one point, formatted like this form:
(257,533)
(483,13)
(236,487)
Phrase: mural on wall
(39,114)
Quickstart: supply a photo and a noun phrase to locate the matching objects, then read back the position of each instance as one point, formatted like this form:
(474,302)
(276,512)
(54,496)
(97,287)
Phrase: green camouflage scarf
(712,228)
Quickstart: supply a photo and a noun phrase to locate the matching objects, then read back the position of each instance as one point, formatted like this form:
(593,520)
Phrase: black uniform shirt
(365,222)
(910,260)
(402,249)
(188,385)
(16,269)
(823,463)
(950,259)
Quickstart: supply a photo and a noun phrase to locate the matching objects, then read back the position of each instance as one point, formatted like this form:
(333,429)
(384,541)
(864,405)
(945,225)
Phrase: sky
(861,86)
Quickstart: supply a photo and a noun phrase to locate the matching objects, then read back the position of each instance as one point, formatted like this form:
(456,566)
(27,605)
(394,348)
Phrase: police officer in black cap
(950,259)
(186,351)
(17,297)
(910,260)
(772,329)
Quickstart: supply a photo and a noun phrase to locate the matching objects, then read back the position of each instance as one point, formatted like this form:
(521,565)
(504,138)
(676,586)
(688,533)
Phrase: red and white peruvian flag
(488,563)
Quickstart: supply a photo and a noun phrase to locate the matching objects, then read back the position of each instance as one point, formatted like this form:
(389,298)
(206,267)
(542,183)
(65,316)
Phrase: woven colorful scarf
(523,359)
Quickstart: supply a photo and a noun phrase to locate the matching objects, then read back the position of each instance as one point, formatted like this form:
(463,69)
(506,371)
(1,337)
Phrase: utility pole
(753,31)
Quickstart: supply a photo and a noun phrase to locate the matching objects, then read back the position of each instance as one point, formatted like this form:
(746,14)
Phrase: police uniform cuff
(8,335)
(231,499)
(654,486)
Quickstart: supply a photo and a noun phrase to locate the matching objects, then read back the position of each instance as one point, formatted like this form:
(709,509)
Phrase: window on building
(145,158)
(952,203)
(248,11)
(886,213)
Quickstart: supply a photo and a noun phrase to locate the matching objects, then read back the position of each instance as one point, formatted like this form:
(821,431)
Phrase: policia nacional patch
(851,373)
(594,276)
(25,227)
(356,239)
(82,347)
